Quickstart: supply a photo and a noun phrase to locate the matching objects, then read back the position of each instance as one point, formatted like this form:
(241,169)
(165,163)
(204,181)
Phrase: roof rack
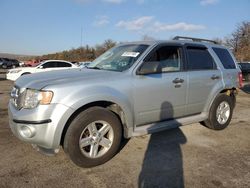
(194,39)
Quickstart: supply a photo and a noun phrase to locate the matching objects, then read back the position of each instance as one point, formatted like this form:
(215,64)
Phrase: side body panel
(157,98)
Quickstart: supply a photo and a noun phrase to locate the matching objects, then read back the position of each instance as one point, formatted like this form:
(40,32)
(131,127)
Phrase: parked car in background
(44,66)
(245,69)
(132,89)
(1,62)
(21,63)
(84,64)
(32,63)
(6,63)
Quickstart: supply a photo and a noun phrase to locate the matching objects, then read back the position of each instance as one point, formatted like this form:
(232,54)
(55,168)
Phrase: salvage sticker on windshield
(130,54)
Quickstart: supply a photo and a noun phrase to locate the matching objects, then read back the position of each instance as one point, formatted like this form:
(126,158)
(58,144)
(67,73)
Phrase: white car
(47,65)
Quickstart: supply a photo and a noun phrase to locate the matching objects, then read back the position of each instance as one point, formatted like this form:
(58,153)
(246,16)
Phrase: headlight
(33,98)
(14,71)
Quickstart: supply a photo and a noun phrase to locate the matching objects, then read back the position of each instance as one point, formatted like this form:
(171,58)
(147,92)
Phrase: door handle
(215,77)
(178,80)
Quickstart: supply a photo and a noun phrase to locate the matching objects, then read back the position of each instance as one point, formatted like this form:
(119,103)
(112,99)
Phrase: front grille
(17,97)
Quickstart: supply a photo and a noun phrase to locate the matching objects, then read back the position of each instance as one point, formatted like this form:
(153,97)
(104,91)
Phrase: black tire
(212,121)
(71,144)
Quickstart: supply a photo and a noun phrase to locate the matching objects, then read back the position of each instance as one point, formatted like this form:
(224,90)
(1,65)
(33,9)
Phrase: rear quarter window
(225,58)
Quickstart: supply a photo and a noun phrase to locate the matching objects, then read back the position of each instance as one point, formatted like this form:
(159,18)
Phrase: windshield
(118,58)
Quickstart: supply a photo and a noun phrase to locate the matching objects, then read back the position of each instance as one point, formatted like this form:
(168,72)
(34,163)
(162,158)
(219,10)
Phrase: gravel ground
(190,156)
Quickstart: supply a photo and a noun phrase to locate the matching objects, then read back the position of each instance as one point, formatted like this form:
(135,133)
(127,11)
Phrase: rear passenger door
(63,65)
(203,75)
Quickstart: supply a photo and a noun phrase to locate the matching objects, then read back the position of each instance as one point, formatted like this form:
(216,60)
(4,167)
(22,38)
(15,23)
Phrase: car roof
(181,42)
(53,60)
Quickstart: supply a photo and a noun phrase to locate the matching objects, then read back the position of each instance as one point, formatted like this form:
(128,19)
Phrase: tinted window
(164,59)
(225,58)
(199,59)
(63,64)
(50,65)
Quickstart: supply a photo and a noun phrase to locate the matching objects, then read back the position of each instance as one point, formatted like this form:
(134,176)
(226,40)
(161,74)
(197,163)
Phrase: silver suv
(133,89)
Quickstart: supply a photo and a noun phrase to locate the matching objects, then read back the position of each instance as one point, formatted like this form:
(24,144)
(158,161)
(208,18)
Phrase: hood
(43,79)
(22,68)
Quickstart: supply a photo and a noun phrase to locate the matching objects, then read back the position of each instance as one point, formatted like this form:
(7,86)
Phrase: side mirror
(40,67)
(149,68)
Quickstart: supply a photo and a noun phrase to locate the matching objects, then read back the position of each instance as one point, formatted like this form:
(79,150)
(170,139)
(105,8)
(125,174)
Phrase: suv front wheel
(93,137)
(220,113)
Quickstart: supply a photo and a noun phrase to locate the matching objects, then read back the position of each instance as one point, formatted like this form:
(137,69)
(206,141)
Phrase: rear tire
(220,113)
(87,142)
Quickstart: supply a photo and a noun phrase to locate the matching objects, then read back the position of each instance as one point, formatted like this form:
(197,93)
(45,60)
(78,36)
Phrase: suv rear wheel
(220,113)
(93,137)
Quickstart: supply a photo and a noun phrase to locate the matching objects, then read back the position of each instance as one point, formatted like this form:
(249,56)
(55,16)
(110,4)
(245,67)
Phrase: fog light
(27,131)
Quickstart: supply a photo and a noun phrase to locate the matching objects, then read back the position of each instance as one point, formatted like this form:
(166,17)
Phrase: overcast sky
(36,27)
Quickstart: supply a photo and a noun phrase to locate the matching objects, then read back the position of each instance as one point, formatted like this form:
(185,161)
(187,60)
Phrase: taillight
(240,79)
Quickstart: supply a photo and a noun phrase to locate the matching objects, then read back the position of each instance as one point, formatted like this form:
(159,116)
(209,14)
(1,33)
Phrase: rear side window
(199,59)
(63,64)
(225,58)
(51,64)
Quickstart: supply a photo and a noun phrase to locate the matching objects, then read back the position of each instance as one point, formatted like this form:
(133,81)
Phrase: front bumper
(12,76)
(41,126)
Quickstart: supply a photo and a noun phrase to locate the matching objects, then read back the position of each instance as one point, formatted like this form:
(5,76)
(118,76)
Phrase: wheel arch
(25,73)
(112,106)
(228,91)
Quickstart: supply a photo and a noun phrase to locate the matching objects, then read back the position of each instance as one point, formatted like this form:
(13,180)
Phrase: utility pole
(81,52)
(81,37)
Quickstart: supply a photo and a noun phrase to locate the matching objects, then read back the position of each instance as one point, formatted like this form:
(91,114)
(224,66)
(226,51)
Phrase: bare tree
(239,41)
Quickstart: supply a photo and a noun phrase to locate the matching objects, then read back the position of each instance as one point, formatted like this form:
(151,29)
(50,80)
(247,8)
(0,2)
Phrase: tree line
(81,54)
(238,42)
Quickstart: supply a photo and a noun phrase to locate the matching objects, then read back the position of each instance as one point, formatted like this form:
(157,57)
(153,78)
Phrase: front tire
(93,137)
(220,113)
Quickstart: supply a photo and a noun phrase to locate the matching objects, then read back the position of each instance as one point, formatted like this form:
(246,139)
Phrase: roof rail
(194,39)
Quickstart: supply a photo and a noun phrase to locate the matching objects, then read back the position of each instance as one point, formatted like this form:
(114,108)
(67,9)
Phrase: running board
(165,125)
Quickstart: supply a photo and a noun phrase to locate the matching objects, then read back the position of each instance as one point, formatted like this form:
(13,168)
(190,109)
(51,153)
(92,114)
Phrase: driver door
(160,91)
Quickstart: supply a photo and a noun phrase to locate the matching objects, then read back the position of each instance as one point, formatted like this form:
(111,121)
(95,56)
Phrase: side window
(225,58)
(63,64)
(164,59)
(49,64)
(199,59)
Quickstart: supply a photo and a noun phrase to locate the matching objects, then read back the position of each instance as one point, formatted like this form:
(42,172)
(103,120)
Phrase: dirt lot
(191,156)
